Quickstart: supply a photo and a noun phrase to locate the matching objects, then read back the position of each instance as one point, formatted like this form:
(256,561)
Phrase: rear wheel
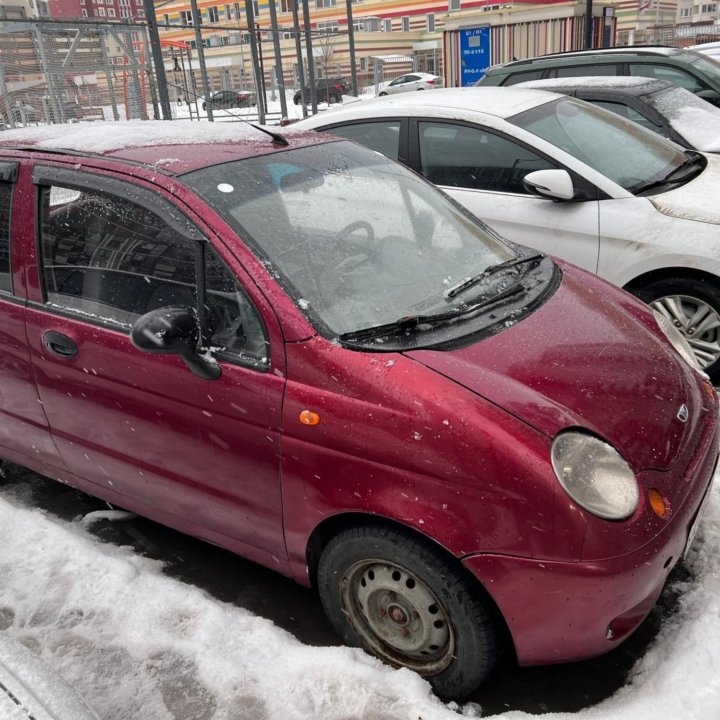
(692,305)
(383,94)
(335,98)
(404,601)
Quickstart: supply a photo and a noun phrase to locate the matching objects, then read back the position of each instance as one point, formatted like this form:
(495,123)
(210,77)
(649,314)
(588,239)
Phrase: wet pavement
(560,688)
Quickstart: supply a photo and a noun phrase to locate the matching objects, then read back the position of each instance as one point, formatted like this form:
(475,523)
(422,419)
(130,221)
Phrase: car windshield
(357,239)
(628,154)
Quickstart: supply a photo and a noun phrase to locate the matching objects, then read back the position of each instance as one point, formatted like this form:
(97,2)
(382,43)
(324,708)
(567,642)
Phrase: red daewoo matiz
(299,350)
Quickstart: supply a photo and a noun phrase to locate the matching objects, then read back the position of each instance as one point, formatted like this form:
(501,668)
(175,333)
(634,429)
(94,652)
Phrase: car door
(24,430)
(483,170)
(142,430)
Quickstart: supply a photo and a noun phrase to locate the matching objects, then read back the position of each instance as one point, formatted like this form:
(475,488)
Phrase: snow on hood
(696,200)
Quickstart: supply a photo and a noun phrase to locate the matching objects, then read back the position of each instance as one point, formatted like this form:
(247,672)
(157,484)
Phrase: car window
(5,270)
(383,136)
(630,114)
(399,81)
(585,70)
(523,77)
(107,257)
(468,157)
(666,72)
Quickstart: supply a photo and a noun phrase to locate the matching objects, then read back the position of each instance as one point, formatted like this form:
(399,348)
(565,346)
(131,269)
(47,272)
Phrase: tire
(693,306)
(404,601)
(334,98)
(297,98)
(382,94)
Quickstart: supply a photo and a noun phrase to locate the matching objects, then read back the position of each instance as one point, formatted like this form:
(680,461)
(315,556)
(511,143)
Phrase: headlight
(677,339)
(594,475)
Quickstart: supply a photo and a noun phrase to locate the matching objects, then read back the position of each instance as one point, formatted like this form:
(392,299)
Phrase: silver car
(411,81)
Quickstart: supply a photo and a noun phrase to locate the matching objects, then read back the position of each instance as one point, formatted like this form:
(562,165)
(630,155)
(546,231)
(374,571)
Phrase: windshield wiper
(461,287)
(694,162)
(413,322)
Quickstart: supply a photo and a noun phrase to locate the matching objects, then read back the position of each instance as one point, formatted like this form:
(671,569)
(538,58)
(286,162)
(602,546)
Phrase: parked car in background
(658,105)
(225,99)
(328,89)
(710,48)
(696,72)
(410,83)
(570,179)
(30,689)
(301,351)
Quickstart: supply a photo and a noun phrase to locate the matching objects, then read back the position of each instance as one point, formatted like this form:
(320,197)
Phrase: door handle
(60,344)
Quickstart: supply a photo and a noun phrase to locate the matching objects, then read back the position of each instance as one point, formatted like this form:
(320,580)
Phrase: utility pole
(157,57)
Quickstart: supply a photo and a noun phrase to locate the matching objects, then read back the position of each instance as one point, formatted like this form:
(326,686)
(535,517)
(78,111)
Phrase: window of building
(328,27)
(213,14)
(101,12)
(166,19)
(84,12)
(685,12)
(405,23)
(186,17)
(325,3)
(111,12)
(430,22)
(125,13)
(453,4)
(387,25)
(286,6)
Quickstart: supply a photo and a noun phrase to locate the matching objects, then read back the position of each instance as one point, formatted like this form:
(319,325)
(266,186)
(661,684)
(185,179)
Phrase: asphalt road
(559,688)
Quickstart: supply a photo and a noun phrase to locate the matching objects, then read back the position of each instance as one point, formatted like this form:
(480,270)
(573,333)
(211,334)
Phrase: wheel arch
(667,273)
(331,526)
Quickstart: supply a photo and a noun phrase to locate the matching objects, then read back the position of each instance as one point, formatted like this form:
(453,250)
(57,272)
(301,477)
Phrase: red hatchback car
(299,350)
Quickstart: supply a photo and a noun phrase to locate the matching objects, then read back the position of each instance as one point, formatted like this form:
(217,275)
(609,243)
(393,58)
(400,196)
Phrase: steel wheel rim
(397,616)
(699,323)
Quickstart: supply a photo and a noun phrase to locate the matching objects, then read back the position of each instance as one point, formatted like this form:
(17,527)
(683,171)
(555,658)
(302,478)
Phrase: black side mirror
(173,331)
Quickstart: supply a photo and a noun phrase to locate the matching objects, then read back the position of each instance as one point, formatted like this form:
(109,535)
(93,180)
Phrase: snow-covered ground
(140,645)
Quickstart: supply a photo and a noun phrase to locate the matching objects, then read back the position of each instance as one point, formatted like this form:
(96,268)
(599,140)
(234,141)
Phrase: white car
(410,82)
(572,180)
(710,48)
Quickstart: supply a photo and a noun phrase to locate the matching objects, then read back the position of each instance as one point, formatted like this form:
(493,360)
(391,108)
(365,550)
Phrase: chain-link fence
(56,72)
(76,71)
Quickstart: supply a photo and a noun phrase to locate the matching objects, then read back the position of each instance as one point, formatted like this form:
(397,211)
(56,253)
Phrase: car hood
(590,357)
(697,199)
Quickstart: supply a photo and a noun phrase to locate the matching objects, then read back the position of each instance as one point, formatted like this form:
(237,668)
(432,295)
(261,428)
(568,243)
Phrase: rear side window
(523,77)
(667,72)
(382,136)
(5,270)
(630,114)
(608,69)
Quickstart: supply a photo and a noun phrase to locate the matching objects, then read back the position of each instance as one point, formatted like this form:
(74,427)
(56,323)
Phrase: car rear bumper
(564,611)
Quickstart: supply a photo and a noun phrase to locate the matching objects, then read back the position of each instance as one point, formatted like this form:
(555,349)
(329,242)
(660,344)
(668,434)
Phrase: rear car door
(24,431)
(483,170)
(142,430)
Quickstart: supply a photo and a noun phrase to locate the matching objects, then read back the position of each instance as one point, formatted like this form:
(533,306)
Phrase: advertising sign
(474,54)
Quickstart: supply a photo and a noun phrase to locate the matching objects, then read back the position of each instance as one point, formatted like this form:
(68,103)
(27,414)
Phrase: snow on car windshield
(360,239)
(626,153)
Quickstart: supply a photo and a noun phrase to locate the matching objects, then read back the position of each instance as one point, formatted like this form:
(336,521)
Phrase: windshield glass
(626,153)
(357,239)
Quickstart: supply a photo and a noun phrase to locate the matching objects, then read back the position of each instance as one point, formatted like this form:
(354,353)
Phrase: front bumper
(564,611)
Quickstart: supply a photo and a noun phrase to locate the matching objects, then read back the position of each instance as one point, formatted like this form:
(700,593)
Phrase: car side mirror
(173,331)
(711,96)
(553,184)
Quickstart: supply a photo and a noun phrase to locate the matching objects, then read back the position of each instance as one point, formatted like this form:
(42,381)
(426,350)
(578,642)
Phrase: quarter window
(607,69)
(466,157)
(665,72)
(381,136)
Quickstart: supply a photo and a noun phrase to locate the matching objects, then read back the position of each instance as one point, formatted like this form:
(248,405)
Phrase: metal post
(56,106)
(157,57)
(262,67)
(351,43)
(152,77)
(279,74)
(588,24)
(108,76)
(201,58)
(298,52)
(5,98)
(310,57)
(193,84)
(259,84)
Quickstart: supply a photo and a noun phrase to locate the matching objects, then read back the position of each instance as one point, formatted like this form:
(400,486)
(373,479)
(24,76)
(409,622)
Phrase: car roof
(627,84)
(172,147)
(635,51)
(501,102)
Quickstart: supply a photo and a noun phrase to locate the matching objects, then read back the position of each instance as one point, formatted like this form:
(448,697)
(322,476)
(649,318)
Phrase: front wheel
(382,94)
(692,305)
(404,601)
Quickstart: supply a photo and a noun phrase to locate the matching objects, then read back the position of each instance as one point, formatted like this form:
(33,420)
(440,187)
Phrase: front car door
(142,430)
(483,170)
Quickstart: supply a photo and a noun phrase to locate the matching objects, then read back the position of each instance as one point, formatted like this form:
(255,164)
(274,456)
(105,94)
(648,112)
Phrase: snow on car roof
(179,144)
(601,81)
(501,102)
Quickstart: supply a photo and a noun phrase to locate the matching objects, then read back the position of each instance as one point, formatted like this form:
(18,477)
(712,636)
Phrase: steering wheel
(348,234)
